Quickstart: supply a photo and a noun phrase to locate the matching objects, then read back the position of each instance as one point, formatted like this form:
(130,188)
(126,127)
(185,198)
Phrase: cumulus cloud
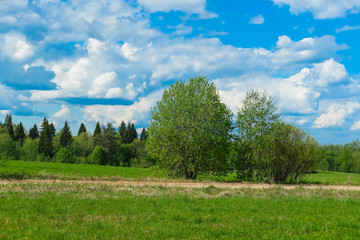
(336,115)
(15,46)
(259,19)
(322,9)
(187,6)
(355,126)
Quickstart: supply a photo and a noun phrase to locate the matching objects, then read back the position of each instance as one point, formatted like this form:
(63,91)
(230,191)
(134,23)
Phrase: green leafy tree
(189,129)
(9,126)
(290,154)
(29,151)
(9,149)
(124,155)
(64,156)
(82,129)
(82,145)
(65,136)
(46,139)
(122,130)
(98,156)
(34,132)
(20,135)
(255,120)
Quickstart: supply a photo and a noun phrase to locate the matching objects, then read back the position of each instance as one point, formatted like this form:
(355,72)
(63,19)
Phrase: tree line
(105,146)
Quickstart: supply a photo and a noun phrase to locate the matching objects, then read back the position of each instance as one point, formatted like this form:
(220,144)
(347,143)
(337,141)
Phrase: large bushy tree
(189,132)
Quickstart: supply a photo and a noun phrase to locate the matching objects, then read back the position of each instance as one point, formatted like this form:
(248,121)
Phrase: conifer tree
(65,136)
(134,134)
(45,143)
(20,134)
(122,130)
(9,126)
(143,135)
(52,130)
(127,134)
(34,132)
(82,129)
(97,129)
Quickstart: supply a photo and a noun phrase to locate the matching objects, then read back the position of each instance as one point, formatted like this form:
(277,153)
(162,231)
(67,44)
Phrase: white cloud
(187,6)
(101,84)
(347,28)
(181,29)
(130,52)
(259,19)
(137,112)
(322,9)
(355,126)
(336,115)
(15,46)
(114,93)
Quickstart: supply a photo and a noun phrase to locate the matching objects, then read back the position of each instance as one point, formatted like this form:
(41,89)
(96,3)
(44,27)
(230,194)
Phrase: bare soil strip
(187,184)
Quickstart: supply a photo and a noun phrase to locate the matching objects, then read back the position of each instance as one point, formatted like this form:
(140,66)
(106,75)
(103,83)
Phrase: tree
(97,136)
(65,136)
(20,135)
(97,129)
(98,156)
(109,142)
(9,126)
(33,132)
(143,135)
(189,132)
(82,129)
(255,120)
(290,154)
(46,139)
(127,134)
(134,134)
(52,129)
(64,156)
(122,130)
(9,150)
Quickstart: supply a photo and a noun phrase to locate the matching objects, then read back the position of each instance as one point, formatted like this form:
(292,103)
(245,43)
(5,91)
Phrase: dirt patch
(189,184)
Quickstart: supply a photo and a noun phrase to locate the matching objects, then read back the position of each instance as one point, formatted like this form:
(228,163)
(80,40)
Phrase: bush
(9,150)
(29,151)
(98,156)
(64,156)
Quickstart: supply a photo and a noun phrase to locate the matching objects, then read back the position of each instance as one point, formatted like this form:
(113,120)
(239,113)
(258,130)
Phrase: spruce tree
(52,129)
(143,135)
(134,134)
(97,129)
(45,143)
(9,126)
(65,136)
(33,132)
(127,134)
(82,129)
(20,134)
(122,130)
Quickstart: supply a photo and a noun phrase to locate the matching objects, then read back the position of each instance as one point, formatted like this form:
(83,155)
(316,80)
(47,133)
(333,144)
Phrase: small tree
(64,156)
(255,120)
(46,139)
(189,129)
(143,135)
(122,130)
(65,136)
(34,132)
(98,156)
(52,129)
(82,129)
(9,126)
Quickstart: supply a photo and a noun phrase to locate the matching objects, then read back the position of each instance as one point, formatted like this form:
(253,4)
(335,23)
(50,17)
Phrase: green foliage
(289,155)
(98,156)
(82,145)
(64,156)
(20,135)
(8,148)
(29,150)
(122,130)
(65,136)
(97,129)
(9,126)
(123,155)
(109,142)
(82,129)
(33,132)
(256,119)
(143,135)
(46,139)
(189,129)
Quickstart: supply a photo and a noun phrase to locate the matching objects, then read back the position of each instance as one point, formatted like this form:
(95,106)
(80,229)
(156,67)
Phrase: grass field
(90,211)
(47,170)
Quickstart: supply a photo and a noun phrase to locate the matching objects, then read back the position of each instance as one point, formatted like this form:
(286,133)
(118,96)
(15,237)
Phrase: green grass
(90,211)
(27,169)
(334,178)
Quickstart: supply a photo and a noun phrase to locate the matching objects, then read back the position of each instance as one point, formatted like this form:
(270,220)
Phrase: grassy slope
(64,211)
(334,178)
(75,171)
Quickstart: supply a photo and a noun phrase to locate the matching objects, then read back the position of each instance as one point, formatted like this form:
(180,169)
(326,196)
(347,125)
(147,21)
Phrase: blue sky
(110,60)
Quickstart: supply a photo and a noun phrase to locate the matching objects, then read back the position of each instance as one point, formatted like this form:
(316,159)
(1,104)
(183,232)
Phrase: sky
(110,60)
